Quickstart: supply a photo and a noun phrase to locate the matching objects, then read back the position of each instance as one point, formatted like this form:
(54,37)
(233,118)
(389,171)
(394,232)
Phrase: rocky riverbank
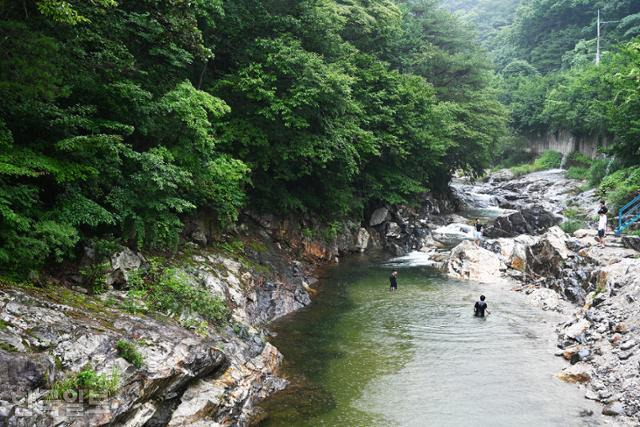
(57,335)
(194,372)
(598,289)
(62,336)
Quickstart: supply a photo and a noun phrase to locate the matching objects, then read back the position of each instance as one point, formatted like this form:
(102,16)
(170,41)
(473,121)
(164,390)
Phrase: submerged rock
(579,373)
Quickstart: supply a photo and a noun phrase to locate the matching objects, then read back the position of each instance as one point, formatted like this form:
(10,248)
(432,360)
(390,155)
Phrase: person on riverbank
(477,234)
(393,279)
(602,223)
(480,308)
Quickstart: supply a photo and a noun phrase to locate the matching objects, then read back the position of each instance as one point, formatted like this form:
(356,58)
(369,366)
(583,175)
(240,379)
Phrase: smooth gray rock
(393,231)
(631,242)
(613,409)
(378,216)
(628,344)
(122,263)
(624,355)
(362,239)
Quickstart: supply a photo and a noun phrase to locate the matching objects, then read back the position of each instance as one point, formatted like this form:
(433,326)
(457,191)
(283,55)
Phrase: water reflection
(363,356)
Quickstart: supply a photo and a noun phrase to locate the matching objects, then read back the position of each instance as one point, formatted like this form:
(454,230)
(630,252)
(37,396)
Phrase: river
(360,355)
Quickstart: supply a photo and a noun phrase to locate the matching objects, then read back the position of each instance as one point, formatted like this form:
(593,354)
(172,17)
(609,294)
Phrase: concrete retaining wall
(567,143)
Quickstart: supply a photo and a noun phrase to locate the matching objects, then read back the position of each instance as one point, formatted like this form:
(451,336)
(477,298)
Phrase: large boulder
(21,373)
(531,220)
(72,336)
(623,274)
(470,261)
(546,257)
(379,216)
(512,251)
(362,240)
(122,264)
(453,234)
(393,231)
(631,242)
(501,176)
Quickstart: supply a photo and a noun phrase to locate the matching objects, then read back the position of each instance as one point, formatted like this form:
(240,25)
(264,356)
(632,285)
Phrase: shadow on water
(360,355)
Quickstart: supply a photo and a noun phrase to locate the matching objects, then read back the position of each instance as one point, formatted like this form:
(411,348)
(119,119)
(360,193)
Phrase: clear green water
(360,355)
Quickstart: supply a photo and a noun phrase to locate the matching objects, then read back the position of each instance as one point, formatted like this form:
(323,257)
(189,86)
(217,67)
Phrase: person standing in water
(480,307)
(393,279)
(477,234)
(602,223)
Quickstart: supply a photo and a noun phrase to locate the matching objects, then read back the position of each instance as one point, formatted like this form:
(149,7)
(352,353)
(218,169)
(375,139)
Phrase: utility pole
(600,24)
(598,41)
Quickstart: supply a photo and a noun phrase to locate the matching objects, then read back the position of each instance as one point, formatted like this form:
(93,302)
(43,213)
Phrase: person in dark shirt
(477,234)
(393,279)
(480,307)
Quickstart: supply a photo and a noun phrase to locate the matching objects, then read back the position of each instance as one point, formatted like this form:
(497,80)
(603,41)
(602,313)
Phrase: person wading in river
(480,307)
(602,223)
(393,279)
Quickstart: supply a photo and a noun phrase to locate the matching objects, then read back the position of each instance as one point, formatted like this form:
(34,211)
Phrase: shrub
(578,172)
(170,292)
(128,352)
(571,226)
(547,160)
(94,276)
(574,213)
(578,159)
(92,385)
(621,186)
(522,169)
(331,232)
(598,171)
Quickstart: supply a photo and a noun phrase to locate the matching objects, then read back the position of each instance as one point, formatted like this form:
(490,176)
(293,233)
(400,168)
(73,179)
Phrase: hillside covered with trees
(121,118)
(544,52)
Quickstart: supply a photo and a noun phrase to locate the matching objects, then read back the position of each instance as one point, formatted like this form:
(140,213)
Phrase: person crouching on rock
(602,223)
(480,307)
(477,234)
(393,279)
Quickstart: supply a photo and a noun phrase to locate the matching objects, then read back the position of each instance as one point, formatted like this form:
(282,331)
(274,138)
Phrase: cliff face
(61,361)
(191,371)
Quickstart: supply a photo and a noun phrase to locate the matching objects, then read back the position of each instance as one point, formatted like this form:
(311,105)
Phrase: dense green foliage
(621,186)
(120,118)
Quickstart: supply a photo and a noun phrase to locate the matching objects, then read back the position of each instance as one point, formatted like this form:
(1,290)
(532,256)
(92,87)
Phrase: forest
(544,52)
(119,119)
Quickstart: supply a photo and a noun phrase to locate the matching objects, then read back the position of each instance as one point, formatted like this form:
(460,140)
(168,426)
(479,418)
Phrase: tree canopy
(119,119)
